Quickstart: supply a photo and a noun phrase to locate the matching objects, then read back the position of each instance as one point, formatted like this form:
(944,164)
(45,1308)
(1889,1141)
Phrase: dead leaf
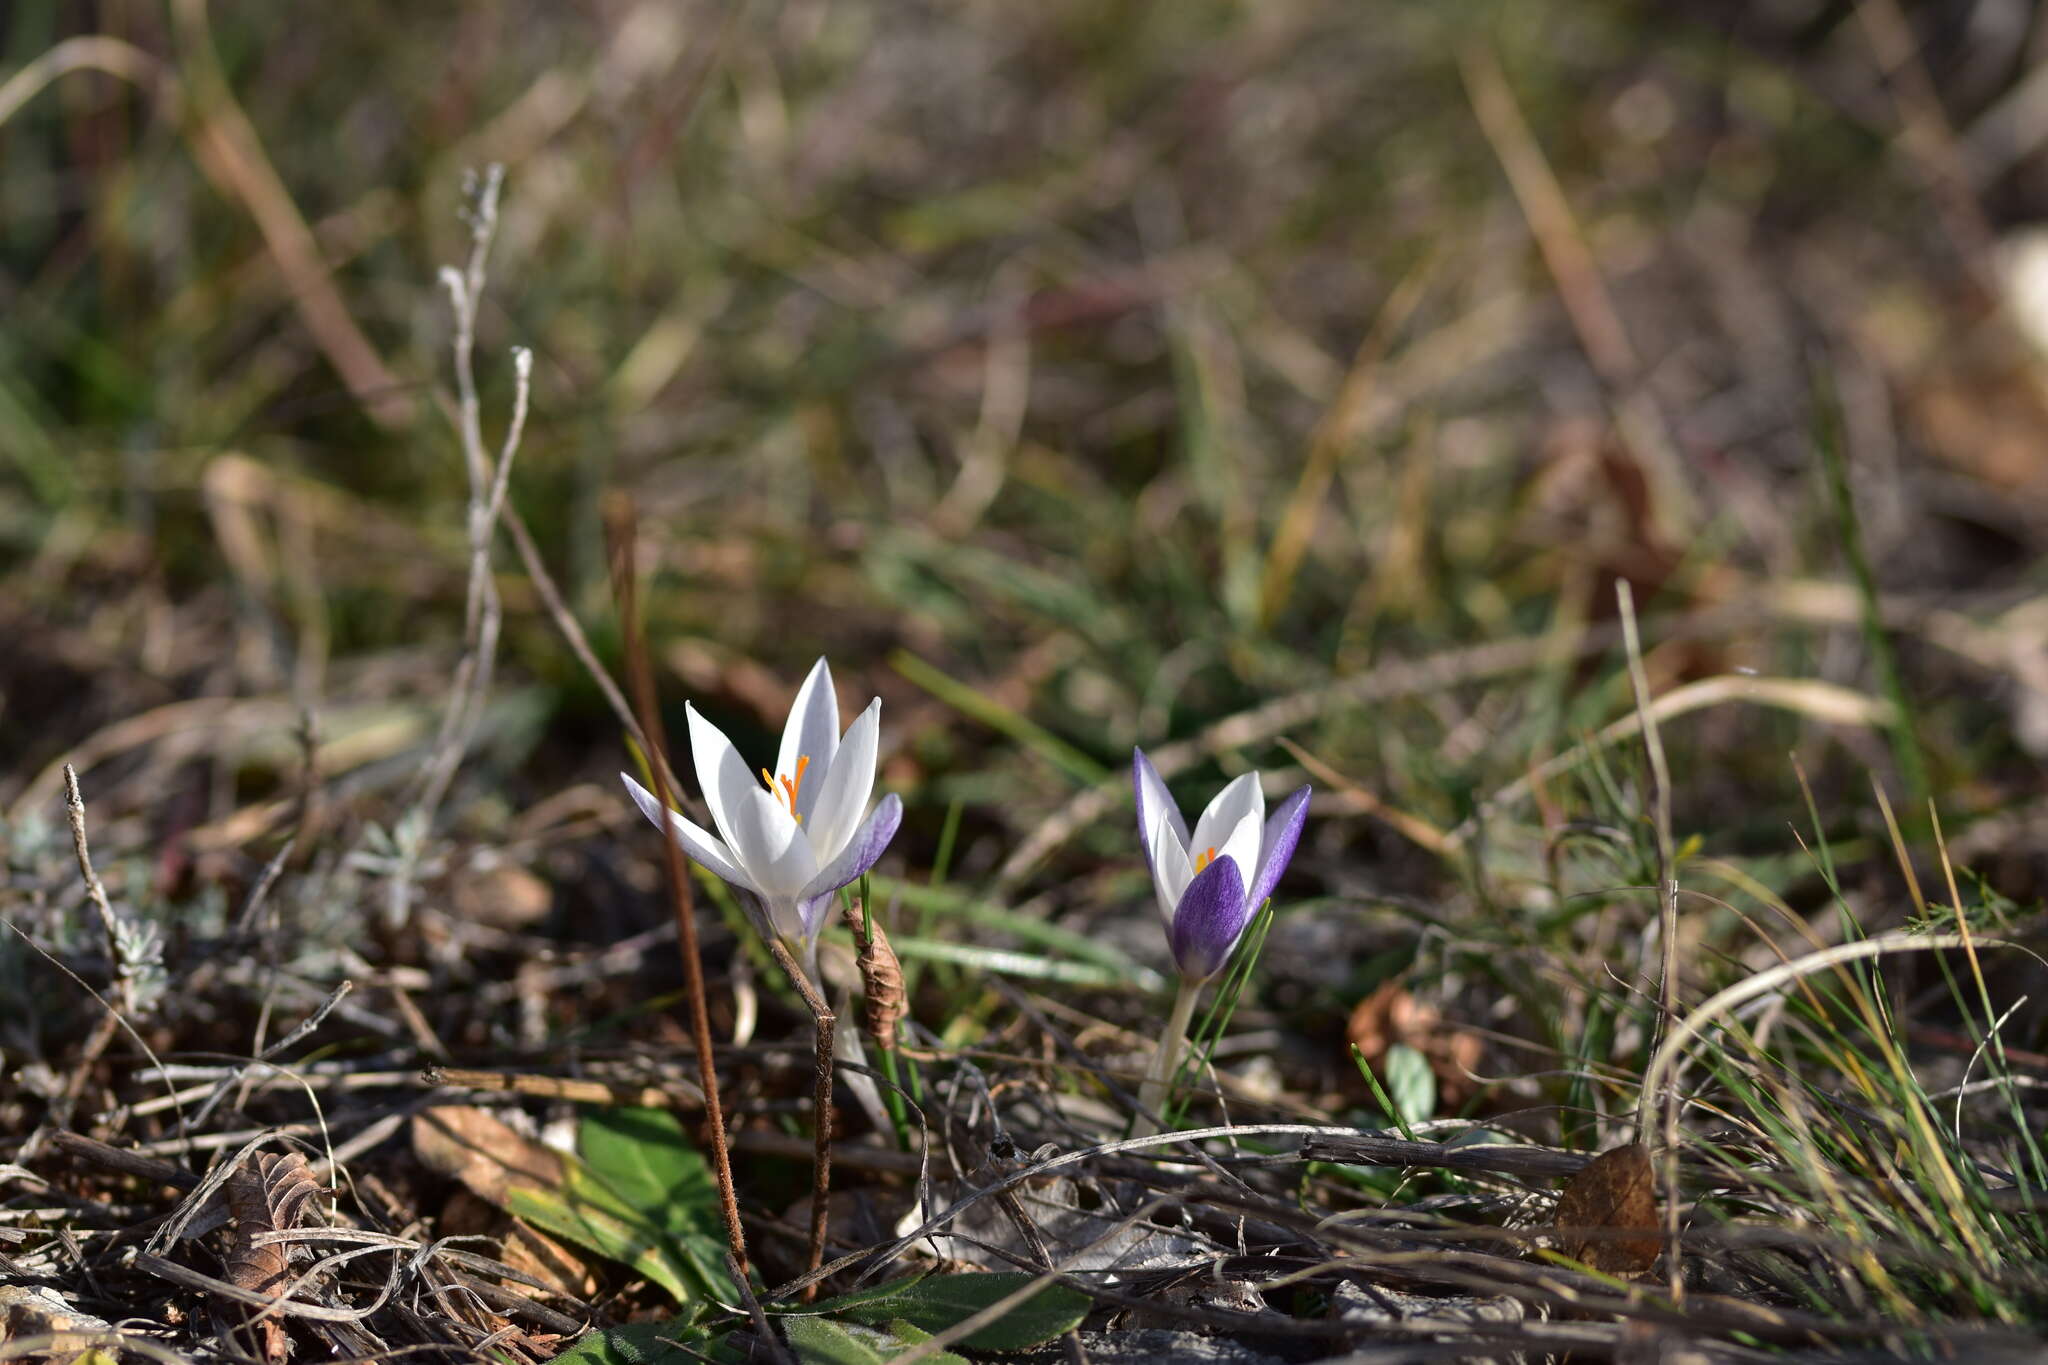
(269,1194)
(66,1331)
(881,977)
(503,896)
(1607,1215)
(1392,1015)
(482,1151)
(491,1158)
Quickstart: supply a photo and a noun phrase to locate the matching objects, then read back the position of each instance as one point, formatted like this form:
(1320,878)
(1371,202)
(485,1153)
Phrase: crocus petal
(1154,802)
(857,857)
(1282,833)
(1171,870)
(1232,823)
(1210,918)
(699,843)
(770,845)
(812,731)
(846,787)
(722,774)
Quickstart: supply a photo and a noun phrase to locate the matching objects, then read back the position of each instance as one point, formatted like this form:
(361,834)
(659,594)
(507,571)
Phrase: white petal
(1233,824)
(723,775)
(843,795)
(771,846)
(1171,870)
(1157,799)
(693,839)
(812,731)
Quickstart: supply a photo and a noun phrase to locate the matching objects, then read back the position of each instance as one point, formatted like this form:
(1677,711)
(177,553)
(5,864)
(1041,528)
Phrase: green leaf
(937,1302)
(1410,1083)
(642,1196)
(645,1156)
(860,1298)
(642,1343)
(912,1335)
(822,1341)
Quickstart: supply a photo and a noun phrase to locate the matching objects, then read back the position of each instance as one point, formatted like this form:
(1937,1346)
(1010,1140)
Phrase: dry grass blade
(271,1194)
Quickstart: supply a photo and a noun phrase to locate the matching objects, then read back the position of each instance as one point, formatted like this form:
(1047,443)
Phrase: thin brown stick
(821,1146)
(622,532)
(230,153)
(576,1090)
(82,1148)
(579,644)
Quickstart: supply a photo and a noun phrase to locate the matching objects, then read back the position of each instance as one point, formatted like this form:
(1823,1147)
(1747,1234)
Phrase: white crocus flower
(1210,883)
(788,839)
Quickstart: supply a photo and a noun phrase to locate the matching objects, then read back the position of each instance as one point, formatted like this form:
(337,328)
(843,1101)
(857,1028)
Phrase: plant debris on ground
(1597,448)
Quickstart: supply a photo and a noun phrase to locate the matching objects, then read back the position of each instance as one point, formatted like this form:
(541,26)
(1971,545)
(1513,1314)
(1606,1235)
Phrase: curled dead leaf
(1391,1014)
(268,1194)
(881,977)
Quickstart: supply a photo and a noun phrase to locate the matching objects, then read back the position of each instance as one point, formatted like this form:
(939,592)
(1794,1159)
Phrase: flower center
(1207,856)
(790,786)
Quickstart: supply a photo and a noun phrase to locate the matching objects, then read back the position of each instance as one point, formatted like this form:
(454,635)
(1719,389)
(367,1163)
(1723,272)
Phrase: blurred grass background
(1129,366)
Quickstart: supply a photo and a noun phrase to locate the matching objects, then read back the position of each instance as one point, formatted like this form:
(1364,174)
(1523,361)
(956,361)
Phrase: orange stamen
(790,785)
(1209,856)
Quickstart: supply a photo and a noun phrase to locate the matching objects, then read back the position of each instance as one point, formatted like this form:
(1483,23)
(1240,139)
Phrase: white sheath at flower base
(787,840)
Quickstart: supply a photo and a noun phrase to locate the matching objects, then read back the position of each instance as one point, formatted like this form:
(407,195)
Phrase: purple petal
(1210,919)
(860,854)
(1283,832)
(1153,800)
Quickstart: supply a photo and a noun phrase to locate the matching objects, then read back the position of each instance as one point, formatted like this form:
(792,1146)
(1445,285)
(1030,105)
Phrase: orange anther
(1208,856)
(790,785)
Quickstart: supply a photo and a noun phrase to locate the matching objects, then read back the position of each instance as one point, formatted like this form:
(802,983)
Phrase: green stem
(1153,1094)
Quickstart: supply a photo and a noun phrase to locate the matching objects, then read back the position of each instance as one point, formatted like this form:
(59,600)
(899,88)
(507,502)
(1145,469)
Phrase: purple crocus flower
(1202,879)
(790,838)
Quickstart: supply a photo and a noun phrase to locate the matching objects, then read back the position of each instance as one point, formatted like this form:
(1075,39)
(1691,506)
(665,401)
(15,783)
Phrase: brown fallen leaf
(503,896)
(490,1157)
(269,1194)
(482,1151)
(1607,1215)
(1392,1015)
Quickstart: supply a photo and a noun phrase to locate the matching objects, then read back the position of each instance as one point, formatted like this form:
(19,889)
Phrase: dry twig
(623,533)
(488,482)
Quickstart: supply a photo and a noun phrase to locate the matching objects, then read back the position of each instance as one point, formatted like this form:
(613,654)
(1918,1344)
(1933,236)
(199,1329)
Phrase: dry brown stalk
(823,1021)
(623,537)
(230,152)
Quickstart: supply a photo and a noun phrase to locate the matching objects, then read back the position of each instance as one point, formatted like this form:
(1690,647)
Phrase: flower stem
(1153,1095)
(821,1110)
